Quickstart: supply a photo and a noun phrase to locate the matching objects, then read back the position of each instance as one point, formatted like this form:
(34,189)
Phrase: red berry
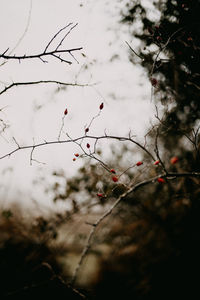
(101,106)
(74,159)
(154,81)
(76,154)
(156,162)
(161,180)
(174,160)
(114,178)
(86,130)
(139,163)
(88,145)
(100,195)
(65,112)
(112,171)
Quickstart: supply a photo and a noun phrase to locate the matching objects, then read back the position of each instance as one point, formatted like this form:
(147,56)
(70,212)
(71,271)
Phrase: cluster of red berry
(115,178)
(173,160)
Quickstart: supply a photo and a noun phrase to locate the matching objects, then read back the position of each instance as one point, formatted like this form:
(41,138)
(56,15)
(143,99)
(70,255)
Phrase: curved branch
(76,140)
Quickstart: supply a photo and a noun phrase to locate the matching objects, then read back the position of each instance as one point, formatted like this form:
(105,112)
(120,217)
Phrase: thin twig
(40,55)
(91,154)
(43,82)
(163,48)
(88,127)
(61,128)
(56,52)
(23,34)
(53,38)
(134,51)
(66,35)
(158,153)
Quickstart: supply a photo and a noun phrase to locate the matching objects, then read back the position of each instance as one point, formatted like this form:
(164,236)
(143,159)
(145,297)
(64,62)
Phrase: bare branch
(142,58)
(88,126)
(121,139)
(26,28)
(31,155)
(163,48)
(158,153)
(66,35)
(43,54)
(62,59)
(55,53)
(53,38)
(5,51)
(23,34)
(74,57)
(62,125)
(16,142)
(43,82)
(90,155)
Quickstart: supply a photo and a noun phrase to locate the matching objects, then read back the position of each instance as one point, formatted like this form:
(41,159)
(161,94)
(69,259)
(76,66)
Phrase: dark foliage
(28,264)
(176,35)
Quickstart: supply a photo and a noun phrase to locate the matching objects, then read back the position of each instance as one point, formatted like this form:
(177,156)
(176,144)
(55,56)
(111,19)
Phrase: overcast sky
(34,113)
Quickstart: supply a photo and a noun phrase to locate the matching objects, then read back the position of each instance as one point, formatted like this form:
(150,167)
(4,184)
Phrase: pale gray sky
(35,113)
